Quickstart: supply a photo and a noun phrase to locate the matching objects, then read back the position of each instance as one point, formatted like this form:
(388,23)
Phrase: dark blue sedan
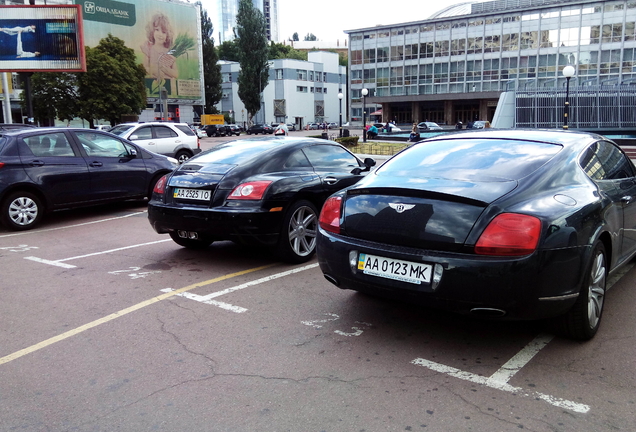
(505,224)
(45,169)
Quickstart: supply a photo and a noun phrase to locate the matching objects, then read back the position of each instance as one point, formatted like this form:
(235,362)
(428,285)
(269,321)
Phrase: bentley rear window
(471,159)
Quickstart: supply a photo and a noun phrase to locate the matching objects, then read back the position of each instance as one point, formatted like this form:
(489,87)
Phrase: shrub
(350,141)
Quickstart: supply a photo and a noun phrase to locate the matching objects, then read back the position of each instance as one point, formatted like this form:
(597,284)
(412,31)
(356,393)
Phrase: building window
(279,74)
(301,75)
(382,54)
(226,77)
(301,89)
(311,75)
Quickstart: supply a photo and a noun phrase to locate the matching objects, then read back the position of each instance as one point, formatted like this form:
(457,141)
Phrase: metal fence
(591,107)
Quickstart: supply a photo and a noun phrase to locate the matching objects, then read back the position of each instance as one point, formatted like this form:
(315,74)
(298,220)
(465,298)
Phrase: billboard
(166,38)
(41,39)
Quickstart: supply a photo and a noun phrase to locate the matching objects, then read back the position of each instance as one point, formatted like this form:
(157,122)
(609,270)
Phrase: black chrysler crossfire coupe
(510,224)
(258,191)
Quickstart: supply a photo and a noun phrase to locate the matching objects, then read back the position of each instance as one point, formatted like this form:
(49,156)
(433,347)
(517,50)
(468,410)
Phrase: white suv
(171,139)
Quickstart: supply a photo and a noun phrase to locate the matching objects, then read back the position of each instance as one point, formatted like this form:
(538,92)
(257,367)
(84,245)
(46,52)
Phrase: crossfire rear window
(471,159)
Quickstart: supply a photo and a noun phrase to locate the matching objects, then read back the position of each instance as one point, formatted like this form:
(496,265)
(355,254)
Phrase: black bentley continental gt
(510,224)
(263,191)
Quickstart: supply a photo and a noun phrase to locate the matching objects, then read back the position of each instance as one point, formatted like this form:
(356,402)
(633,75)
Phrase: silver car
(177,140)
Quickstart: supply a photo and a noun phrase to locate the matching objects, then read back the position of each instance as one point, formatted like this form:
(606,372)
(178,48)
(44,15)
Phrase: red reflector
(160,186)
(330,215)
(510,234)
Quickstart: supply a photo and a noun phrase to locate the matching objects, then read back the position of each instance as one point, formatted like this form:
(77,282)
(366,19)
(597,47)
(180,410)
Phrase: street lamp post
(364,93)
(568,72)
(340,96)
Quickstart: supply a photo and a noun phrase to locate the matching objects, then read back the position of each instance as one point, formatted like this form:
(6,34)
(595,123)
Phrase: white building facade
(298,92)
(454,66)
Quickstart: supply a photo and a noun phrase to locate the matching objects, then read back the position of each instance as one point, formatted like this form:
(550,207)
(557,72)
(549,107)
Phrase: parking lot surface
(106,325)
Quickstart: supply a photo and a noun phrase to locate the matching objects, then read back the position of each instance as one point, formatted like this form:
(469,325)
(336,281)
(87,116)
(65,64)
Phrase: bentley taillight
(330,214)
(510,234)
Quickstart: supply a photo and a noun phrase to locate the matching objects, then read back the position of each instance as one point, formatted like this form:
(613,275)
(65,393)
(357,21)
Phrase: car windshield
(474,159)
(236,152)
(120,130)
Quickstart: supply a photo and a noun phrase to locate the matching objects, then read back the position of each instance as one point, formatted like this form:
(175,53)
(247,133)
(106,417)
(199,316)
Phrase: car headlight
(173,161)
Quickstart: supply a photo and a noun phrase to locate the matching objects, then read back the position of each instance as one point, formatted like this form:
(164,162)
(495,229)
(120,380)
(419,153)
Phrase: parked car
(478,124)
(260,128)
(314,126)
(264,191)
(516,224)
(429,126)
(332,125)
(104,128)
(46,169)
(234,129)
(200,131)
(217,130)
(171,139)
(382,127)
(291,126)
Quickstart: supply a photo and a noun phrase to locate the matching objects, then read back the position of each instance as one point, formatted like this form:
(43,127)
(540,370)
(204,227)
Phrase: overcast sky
(328,18)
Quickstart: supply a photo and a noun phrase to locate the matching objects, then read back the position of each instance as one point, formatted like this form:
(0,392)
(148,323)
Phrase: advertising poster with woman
(164,35)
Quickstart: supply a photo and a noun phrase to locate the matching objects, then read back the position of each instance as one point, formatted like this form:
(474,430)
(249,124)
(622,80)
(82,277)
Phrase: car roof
(565,138)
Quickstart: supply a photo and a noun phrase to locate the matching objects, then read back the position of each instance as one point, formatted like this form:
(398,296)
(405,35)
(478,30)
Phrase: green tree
(295,36)
(54,95)
(251,34)
(310,37)
(113,84)
(228,51)
(281,51)
(211,68)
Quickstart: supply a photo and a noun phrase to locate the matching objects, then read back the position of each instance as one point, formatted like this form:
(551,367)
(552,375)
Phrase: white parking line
(37,231)
(60,263)
(495,380)
(207,299)
(499,380)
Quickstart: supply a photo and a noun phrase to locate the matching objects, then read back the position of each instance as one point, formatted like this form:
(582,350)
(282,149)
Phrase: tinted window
(185,129)
(604,161)
(329,156)
(237,152)
(143,133)
(297,160)
(164,132)
(52,144)
(474,159)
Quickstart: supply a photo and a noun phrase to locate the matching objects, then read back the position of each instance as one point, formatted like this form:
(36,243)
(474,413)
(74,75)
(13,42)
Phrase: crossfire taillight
(253,190)
(160,186)
(330,214)
(510,234)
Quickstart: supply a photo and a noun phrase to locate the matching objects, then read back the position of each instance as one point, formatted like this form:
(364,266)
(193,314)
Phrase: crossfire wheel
(297,243)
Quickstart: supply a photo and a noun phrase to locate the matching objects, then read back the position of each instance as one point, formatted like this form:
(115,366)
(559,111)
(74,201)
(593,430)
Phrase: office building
(299,92)
(455,65)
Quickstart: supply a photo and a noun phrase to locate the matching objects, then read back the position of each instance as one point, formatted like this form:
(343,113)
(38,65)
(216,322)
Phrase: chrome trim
(564,297)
